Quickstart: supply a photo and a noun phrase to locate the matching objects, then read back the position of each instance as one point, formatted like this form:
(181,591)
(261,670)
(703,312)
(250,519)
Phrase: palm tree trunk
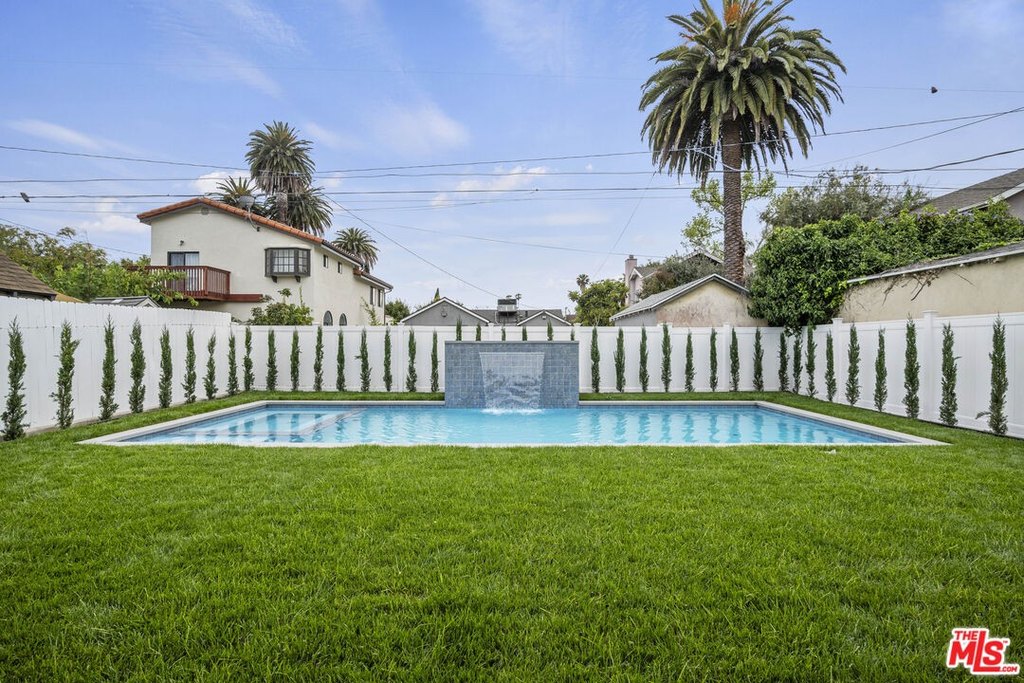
(734,243)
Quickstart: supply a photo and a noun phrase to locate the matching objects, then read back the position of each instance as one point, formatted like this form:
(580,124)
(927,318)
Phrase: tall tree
(281,166)
(360,244)
(740,89)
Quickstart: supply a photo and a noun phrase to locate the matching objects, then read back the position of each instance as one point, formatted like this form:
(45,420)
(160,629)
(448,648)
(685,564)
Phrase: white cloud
(533,32)
(262,25)
(207,183)
(419,129)
(55,133)
(231,67)
(112,223)
(328,137)
(514,178)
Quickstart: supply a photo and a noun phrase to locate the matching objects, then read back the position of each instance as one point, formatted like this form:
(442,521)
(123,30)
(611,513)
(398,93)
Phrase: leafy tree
(644,376)
(458,329)
(620,362)
(948,405)
(853,368)
(360,244)
(387,359)
(307,209)
(740,89)
(189,385)
(830,367)
(248,373)
(598,302)
(43,255)
(595,363)
(713,361)
(210,378)
(15,409)
(996,412)
(318,360)
(704,231)
(282,312)
(137,393)
(123,278)
(551,332)
(165,387)
(364,364)
(281,166)
(479,332)
(881,374)
(271,361)
(758,361)
(232,366)
(689,372)
(397,310)
(911,372)
(371,313)
(798,362)
(339,383)
(434,381)
(293,361)
(812,353)
(783,362)
(734,362)
(410,375)
(666,357)
(677,270)
(64,395)
(107,385)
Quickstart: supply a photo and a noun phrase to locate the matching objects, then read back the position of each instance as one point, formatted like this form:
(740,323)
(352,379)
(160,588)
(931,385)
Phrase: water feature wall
(511,375)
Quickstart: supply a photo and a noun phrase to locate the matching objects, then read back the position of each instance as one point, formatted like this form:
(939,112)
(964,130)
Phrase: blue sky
(379,83)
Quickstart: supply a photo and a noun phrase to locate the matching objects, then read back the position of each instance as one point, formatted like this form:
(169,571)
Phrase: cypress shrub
(479,332)
(410,375)
(798,361)
(107,405)
(620,362)
(912,373)
(595,363)
(248,373)
(64,395)
(524,333)
(433,362)
(15,409)
(232,366)
(830,367)
(137,393)
(293,361)
(271,361)
(458,332)
(551,332)
(713,362)
(364,363)
(853,368)
(734,362)
(758,361)
(812,361)
(997,420)
(210,379)
(387,353)
(644,376)
(318,360)
(165,388)
(666,357)
(881,374)
(502,333)
(948,405)
(783,363)
(339,382)
(689,371)
(572,333)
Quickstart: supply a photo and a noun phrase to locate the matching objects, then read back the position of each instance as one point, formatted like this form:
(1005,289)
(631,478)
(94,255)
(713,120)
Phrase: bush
(410,375)
(232,366)
(948,405)
(458,332)
(64,395)
(165,387)
(551,332)
(364,363)
(502,333)
(137,393)
(248,373)
(434,383)
(830,367)
(812,361)
(271,361)
(798,361)
(783,363)
(644,376)
(524,333)
(688,371)
(666,357)
(189,385)
(107,404)
(339,382)
(758,361)
(620,362)
(734,362)
(15,409)
(293,361)
(911,372)
(210,379)
(595,363)
(282,312)
(318,360)
(997,421)
(387,352)
(881,374)
(479,332)
(853,368)
(713,361)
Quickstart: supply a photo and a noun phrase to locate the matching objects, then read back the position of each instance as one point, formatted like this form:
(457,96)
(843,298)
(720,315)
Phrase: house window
(343,319)
(328,319)
(183,258)
(287,262)
(325,260)
(339,267)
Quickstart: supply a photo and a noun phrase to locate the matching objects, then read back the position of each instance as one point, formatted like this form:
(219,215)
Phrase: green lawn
(744,563)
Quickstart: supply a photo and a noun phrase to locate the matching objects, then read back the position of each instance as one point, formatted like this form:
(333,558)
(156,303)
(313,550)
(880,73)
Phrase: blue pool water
(323,424)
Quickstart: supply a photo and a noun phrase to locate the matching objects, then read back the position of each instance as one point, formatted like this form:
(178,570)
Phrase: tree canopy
(678,270)
(597,302)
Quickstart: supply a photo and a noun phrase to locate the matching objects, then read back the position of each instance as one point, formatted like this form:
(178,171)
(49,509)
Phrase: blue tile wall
(464,380)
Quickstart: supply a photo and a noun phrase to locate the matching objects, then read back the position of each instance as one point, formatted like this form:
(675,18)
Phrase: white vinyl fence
(40,323)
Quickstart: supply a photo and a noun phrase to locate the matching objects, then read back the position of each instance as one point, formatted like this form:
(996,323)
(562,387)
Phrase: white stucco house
(235,260)
(711,301)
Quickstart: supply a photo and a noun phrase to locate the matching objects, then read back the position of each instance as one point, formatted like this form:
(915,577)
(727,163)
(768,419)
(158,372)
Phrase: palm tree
(231,190)
(306,209)
(280,164)
(741,88)
(357,242)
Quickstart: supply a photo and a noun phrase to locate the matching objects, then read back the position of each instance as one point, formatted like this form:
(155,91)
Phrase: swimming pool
(340,423)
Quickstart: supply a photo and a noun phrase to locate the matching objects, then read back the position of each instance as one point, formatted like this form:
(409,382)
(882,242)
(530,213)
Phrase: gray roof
(656,300)
(138,301)
(936,264)
(1000,187)
(16,279)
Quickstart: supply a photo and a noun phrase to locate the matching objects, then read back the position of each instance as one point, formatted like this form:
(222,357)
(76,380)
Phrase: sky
(444,127)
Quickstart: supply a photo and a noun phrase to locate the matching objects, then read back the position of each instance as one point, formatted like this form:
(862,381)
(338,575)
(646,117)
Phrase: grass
(434,563)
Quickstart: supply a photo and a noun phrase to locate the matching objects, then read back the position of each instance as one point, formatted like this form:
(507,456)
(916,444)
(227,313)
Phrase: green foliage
(43,255)
(15,408)
(210,378)
(911,372)
(812,361)
(734,362)
(282,312)
(881,374)
(189,385)
(704,231)
(364,363)
(596,303)
(165,387)
(123,278)
(551,332)
(713,360)
(64,395)
(479,332)
(783,362)
(318,360)
(798,361)
(758,361)
(677,270)
(293,361)
(830,367)
(248,372)
(396,311)
(620,362)
(137,392)
(458,329)
(339,382)
(644,376)
(410,375)
(388,379)
(107,404)
(271,361)
(853,368)
(524,333)
(232,366)
(997,420)
(666,357)
(281,166)
(360,244)
(434,380)
(948,404)
(595,363)
(502,333)
(572,333)
(371,313)
(689,371)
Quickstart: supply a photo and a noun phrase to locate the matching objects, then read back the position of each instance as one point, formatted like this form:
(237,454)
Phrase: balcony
(204,283)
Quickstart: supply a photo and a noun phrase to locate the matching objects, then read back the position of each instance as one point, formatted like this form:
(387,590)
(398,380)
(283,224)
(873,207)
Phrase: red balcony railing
(200,282)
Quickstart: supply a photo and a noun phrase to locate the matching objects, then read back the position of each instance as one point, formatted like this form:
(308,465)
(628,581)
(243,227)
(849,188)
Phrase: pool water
(679,424)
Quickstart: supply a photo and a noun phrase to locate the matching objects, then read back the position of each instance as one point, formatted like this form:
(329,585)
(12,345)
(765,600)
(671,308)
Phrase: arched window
(328,319)
(343,319)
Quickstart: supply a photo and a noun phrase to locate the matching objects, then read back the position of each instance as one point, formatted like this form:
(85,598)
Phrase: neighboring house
(636,275)
(982,283)
(132,301)
(17,282)
(234,260)
(1008,187)
(444,312)
(711,301)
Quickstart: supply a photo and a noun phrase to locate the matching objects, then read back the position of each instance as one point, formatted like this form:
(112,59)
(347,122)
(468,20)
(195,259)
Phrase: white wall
(40,323)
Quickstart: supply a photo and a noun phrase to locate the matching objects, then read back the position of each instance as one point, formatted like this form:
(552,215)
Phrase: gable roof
(443,300)
(147,216)
(648,270)
(547,313)
(16,279)
(937,264)
(979,194)
(656,300)
(137,301)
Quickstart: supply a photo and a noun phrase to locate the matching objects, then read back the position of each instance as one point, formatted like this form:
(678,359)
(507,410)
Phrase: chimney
(631,294)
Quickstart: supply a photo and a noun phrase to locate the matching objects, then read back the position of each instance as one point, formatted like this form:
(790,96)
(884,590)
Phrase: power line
(629,221)
(111,157)
(85,241)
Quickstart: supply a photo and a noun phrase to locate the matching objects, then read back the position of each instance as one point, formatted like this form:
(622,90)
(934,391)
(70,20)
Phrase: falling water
(512,379)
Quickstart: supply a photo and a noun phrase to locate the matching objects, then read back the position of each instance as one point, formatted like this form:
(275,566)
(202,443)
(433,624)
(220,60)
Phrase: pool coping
(901,438)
